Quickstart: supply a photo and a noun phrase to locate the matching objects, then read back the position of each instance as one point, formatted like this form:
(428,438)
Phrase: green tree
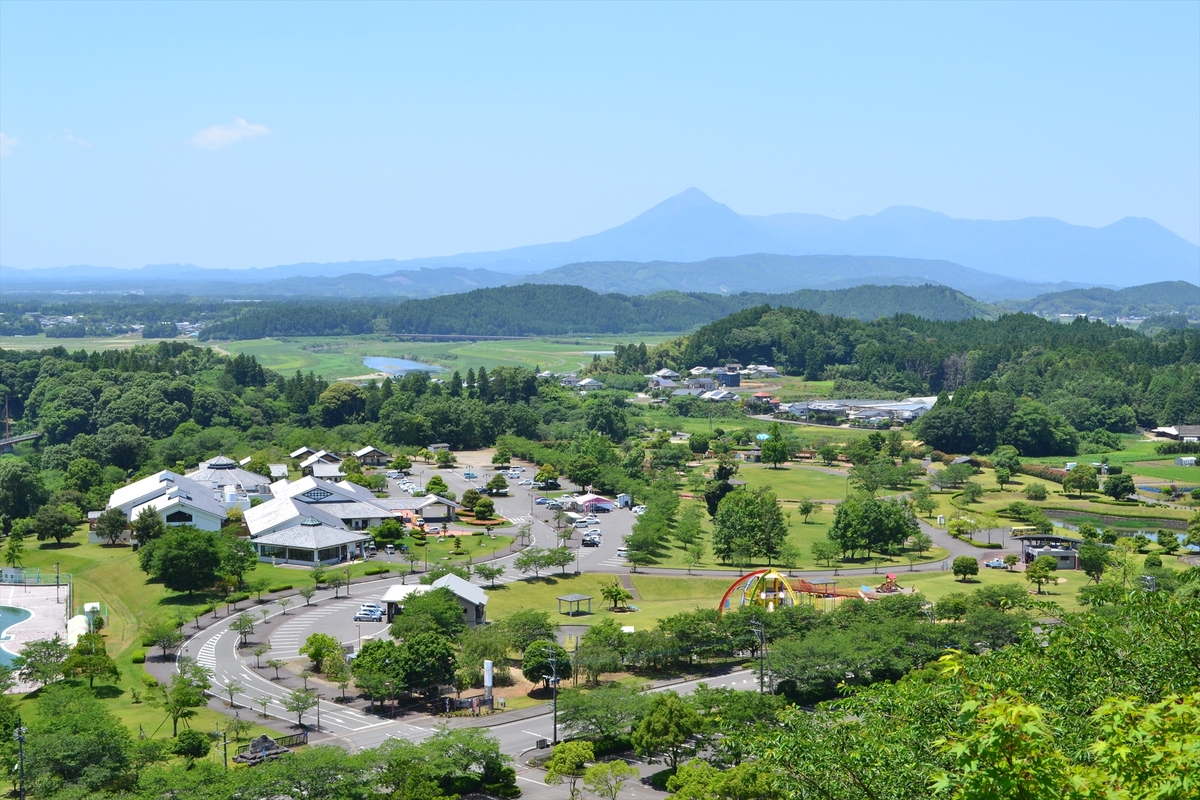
(89,658)
(191,744)
(14,549)
(965,567)
(608,778)
(184,694)
(1035,491)
(920,542)
(299,702)
(615,593)
(164,634)
(1093,559)
(924,501)
(83,475)
(750,520)
(828,453)
(824,552)
(526,626)
(775,449)
(972,492)
(444,458)
(111,525)
(667,728)
(1119,487)
(75,743)
(485,508)
(185,559)
(323,650)
(41,660)
(544,658)
(437,610)
(489,572)
(1040,572)
(428,660)
(497,485)
(53,522)
(22,491)
(147,527)
(1081,479)
(546,474)
(568,763)
(806,508)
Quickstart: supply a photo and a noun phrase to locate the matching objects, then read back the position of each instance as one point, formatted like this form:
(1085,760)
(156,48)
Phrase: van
(391,548)
(582,523)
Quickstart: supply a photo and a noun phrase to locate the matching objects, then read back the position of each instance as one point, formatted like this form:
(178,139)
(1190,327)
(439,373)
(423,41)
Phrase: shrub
(283,587)
(1035,491)
(139,657)
(1043,472)
(237,597)
(1152,561)
(149,680)
(377,570)
(191,743)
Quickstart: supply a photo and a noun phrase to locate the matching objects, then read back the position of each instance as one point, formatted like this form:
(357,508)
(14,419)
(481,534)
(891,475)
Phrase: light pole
(554,688)
(56,563)
(359,626)
(319,713)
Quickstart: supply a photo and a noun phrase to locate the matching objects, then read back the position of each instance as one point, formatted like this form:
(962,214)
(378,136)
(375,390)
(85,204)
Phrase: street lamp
(319,713)
(19,735)
(56,563)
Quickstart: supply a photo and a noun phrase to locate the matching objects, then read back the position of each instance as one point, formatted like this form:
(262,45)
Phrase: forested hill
(1165,297)
(1094,376)
(548,310)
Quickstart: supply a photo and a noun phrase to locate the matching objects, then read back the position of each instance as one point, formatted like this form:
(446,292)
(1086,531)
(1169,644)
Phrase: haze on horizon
(249,135)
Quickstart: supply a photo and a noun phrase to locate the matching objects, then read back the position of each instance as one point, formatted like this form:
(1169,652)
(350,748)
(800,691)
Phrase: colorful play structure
(769,589)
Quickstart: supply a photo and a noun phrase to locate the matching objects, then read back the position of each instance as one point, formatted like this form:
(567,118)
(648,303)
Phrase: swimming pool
(9,616)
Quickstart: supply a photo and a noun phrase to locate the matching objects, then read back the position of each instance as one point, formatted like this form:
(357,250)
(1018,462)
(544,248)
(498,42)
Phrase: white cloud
(68,138)
(7,143)
(224,135)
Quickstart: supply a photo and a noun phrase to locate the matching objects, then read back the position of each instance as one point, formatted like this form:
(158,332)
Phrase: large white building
(231,485)
(177,499)
(343,505)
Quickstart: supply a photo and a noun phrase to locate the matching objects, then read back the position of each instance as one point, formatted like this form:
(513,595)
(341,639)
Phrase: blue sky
(230,135)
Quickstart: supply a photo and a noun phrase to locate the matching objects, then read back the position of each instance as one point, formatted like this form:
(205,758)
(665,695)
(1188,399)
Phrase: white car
(372,607)
(622,551)
(638,509)
(526,482)
(594,532)
(591,520)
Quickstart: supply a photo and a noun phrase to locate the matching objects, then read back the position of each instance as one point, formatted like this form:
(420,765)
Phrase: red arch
(736,584)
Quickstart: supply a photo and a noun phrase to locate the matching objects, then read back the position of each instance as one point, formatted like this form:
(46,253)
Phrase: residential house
(698,371)
(278,472)
(589,384)
(700,383)
(372,457)
(175,498)
(472,598)
(569,381)
(438,447)
(658,384)
(1182,433)
(302,453)
(729,379)
(719,396)
(667,373)
(687,393)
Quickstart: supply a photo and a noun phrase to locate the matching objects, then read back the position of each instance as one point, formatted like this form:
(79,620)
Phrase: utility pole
(19,735)
(553,676)
(757,627)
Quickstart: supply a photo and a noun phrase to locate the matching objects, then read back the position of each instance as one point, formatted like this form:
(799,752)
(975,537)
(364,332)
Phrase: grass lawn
(939,584)
(660,597)
(794,482)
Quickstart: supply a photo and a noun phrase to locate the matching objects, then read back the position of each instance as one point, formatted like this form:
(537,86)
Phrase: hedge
(139,657)
(283,587)
(377,570)
(149,680)
(1043,472)
(233,599)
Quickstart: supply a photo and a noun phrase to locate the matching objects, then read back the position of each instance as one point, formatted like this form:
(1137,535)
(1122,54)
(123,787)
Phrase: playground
(769,589)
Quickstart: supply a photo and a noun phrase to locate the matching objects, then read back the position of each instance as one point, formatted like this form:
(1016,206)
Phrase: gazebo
(574,603)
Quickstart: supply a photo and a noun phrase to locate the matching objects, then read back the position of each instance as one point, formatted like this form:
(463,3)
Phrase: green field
(660,597)
(341,356)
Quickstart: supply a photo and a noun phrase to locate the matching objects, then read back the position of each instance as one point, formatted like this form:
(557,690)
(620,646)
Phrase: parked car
(638,509)
(594,532)
(591,542)
(368,616)
(541,501)
(622,551)
(526,482)
(391,548)
(468,474)
(434,529)
(554,505)
(591,519)
(391,473)
(581,523)
(995,563)
(372,607)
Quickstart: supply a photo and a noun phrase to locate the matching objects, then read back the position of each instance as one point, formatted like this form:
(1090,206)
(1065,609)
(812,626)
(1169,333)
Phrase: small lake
(9,616)
(398,366)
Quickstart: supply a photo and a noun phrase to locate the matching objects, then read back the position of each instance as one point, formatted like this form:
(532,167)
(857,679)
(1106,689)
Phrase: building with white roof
(310,542)
(177,499)
(472,598)
(344,504)
(231,484)
(372,457)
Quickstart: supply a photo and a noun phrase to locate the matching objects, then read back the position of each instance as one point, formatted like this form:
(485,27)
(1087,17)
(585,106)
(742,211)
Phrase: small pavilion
(574,603)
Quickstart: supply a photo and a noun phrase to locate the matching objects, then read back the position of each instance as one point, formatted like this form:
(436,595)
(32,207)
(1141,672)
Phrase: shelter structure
(574,603)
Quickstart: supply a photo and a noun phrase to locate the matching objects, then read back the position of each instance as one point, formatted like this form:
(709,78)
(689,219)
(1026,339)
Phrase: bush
(1043,472)
(283,587)
(377,570)
(139,657)
(1152,562)
(237,597)
(1035,491)
(191,743)
(150,681)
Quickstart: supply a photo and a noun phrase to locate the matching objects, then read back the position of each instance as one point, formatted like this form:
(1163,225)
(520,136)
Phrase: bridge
(9,442)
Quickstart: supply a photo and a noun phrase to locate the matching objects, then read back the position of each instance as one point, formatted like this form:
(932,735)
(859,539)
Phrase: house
(753,456)
(729,379)
(700,383)
(624,501)
(687,393)
(345,505)
(666,373)
(372,457)
(1182,433)
(760,371)
(326,472)
(231,485)
(418,510)
(589,384)
(310,542)
(761,399)
(698,371)
(719,396)
(437,448)
(795,409)
(657,383)
(569,381)
(471,598)
(302,453)
(733,366)
(319,457)
(177,499)
(1064,549)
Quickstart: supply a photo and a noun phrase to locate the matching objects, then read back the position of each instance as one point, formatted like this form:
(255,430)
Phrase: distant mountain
(692,227)
(550,309)
(764,273)
(1166,297)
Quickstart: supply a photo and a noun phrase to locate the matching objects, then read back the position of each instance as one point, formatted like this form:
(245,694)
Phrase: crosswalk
(289,637)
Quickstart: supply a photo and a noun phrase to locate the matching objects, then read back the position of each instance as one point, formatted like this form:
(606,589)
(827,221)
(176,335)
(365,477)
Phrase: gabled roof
(467,591)
(156,485)
(322,469)
(369,450)
(179,497)
(355,510)
(303,452)
(343,490)
(320,455)
(283,510)
(278,470)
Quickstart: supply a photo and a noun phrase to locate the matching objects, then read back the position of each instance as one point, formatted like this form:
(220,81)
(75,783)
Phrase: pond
(398,366)
(9,616)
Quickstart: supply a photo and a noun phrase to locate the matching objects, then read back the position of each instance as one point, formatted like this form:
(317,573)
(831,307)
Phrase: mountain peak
(688,198)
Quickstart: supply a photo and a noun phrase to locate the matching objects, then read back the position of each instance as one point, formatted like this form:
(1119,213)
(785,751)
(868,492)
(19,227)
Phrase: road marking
(531,780)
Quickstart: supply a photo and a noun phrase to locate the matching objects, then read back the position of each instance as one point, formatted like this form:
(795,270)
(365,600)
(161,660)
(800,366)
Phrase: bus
(1022,530)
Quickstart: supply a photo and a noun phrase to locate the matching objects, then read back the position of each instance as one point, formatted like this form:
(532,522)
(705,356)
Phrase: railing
(294,740)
